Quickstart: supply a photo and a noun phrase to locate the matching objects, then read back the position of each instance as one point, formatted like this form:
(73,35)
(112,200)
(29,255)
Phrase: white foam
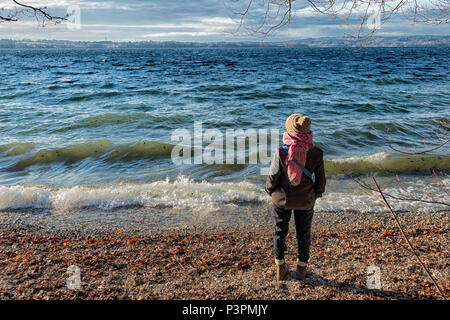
(17,197)
(346,196)
(341,195)
(179,193)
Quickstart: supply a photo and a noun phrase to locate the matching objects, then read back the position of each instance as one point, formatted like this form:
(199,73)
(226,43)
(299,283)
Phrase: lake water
(82,128)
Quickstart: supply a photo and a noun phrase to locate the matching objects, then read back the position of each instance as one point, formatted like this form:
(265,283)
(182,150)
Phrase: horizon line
(234,41)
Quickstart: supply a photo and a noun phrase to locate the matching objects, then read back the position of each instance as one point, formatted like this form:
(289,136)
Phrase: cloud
(64,4)
(196,20)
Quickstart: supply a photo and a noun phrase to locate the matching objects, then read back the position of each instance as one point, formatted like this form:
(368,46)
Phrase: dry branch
(23,10)
(426,150)
(364,187)
(435,12)
(413,250)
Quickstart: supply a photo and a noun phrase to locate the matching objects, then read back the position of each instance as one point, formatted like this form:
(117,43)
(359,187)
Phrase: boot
(282,270)
(300,272)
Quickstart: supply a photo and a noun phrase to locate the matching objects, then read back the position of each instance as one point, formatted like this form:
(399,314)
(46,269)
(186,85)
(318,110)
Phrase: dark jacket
(303,196)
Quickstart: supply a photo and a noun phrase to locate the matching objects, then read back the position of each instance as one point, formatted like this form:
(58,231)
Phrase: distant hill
(379,41)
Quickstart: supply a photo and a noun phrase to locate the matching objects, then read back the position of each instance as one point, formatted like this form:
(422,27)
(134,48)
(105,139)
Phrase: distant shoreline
(324,42)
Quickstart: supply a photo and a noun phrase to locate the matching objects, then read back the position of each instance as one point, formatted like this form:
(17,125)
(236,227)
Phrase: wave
(154,92)
(66,85)
(116,118)
(387,81)
(223,88)
(15,95)
(302,88)
(179,193)
(256,94)
(16,148)
(91,96)
(386,162)
(341,195)
(103,94)
(101,149)
(106,150)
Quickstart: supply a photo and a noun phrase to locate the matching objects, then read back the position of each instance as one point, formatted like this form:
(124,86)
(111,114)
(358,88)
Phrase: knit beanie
(298,123)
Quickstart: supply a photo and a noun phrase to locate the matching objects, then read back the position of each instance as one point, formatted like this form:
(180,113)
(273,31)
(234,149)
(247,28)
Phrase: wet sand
(209,258)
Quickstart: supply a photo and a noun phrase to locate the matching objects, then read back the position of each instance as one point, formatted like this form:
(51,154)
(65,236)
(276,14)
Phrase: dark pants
(303,219)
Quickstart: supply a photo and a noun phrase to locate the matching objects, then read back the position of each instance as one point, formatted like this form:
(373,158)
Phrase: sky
(187,20)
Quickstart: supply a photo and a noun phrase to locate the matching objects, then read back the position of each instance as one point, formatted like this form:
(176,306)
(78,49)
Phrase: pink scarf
(299,144)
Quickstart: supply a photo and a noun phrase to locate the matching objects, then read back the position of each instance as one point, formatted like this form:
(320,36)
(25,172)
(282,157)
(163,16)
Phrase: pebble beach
(222,262)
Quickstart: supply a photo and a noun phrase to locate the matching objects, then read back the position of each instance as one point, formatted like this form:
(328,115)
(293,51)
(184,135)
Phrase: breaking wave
(105,150)
(101,149)
(179,193)
(341,195)
(386,162)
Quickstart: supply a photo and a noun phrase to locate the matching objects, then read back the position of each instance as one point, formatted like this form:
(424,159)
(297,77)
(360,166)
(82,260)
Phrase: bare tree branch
(434,12)
(443,123)
(365,187)
(23,10)
(264,17)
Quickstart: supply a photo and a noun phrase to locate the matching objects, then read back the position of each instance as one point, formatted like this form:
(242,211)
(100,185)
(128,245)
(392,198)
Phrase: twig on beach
(181,265)
(386,204)
(400,244)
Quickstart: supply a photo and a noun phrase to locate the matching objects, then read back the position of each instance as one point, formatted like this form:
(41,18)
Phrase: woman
(294,190)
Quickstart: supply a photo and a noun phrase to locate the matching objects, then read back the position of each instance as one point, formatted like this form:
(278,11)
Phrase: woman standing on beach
(294,190)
